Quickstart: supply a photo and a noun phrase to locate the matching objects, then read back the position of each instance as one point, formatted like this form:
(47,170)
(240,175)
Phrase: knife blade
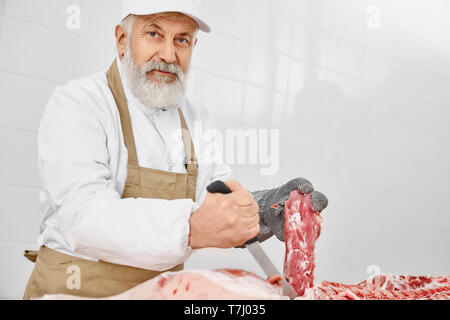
(269,268)
(255,249)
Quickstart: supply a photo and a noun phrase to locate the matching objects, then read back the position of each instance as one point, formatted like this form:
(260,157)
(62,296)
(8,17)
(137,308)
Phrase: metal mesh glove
(272,219)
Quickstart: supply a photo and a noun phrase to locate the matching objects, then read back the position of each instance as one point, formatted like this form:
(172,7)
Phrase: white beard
(157,95)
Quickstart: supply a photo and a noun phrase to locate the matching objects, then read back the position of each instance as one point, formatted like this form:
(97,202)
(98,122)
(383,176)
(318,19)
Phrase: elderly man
(120,206)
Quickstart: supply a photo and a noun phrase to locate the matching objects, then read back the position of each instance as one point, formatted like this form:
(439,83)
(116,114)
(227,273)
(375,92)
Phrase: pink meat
(399,283)
(226,284)
(431,289)
(302,229)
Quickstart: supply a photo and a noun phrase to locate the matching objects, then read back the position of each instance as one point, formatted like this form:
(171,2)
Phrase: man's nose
(167,52)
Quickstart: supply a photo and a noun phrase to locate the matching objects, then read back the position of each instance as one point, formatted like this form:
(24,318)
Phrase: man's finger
(250,214)
(301,184)
(242,198)
(254,231)
(318,201)
(233,185)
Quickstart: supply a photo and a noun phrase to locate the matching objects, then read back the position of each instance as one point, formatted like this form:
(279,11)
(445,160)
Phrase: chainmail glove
(272,219)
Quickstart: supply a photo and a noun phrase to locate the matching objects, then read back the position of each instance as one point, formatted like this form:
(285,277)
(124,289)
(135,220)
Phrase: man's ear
(121,40)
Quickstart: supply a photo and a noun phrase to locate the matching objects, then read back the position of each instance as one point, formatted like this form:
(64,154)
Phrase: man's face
(156,56)
(167,37)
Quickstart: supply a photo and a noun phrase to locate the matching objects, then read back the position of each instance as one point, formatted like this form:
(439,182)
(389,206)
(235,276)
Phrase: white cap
(191,8)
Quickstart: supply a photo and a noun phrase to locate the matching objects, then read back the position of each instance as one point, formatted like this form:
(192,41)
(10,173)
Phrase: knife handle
(218,187)
(221,187)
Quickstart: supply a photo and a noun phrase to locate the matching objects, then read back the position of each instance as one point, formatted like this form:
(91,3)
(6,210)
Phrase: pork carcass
(384,287)
(225,284)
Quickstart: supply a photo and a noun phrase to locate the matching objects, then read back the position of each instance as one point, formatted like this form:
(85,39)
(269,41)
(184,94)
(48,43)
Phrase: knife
(255,248)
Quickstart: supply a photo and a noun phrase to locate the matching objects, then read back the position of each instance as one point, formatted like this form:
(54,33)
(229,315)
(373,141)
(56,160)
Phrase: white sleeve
(94,220)
(221,172)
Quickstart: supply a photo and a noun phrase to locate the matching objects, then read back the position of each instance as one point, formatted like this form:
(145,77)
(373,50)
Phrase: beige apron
(57,273)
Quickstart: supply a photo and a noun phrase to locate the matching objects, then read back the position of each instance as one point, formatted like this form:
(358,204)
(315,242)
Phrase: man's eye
(153,34)
(182,41)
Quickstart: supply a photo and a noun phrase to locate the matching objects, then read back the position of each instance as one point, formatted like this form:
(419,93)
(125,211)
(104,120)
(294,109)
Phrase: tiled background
(364,114)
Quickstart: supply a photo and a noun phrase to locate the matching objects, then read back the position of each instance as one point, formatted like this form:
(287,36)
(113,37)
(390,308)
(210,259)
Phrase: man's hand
(272,219)
(225,221)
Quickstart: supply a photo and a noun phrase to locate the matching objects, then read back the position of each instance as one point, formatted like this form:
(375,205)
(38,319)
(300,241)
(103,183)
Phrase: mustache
(162,66)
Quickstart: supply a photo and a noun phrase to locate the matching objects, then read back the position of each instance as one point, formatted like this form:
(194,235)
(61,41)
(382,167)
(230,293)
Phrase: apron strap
(115,84)
(192,164)
(31,255)
(187,140)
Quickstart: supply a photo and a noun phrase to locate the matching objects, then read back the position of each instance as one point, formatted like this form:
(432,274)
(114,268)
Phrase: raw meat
(226,284)
(302,229)
(207,285)
(398,283)
(384,287)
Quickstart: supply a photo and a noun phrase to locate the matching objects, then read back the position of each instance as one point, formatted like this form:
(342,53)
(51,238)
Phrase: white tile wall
(19,104)
(232,49)
(20,219)
(42,12)
(15,269)
(362,113)
(226,106)
(18,158)
(22,50)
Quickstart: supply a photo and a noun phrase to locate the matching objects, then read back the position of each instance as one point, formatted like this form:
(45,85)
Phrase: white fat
(246,285)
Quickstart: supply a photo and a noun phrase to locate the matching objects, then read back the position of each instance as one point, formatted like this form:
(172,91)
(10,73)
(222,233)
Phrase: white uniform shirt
(83,169)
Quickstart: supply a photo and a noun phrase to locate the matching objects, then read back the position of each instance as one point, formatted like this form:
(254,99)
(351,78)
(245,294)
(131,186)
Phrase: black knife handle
(221,187)
(255,239)
(218,187)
